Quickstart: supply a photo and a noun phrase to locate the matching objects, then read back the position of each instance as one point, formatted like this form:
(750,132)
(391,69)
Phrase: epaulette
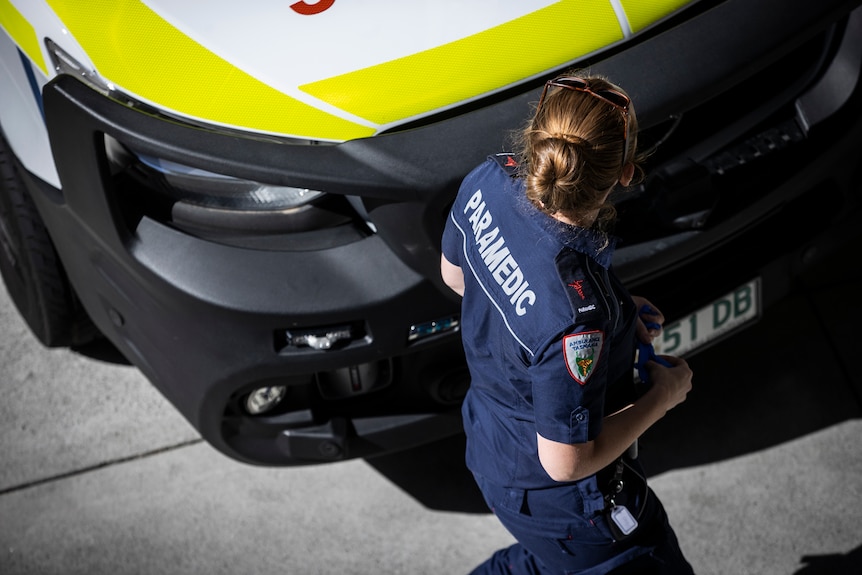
(508,162)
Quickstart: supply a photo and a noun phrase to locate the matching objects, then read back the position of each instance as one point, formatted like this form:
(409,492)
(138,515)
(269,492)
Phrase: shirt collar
(595,244)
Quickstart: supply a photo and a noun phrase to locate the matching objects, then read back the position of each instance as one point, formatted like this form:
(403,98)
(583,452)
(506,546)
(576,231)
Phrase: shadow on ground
(832,564)
(787,376)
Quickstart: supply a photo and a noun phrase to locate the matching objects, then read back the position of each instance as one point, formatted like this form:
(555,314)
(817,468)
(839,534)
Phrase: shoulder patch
(582,352)
(508,162)
(580,291)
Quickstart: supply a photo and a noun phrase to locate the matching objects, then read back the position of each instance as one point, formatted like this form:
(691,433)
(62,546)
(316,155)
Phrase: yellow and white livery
(326,70)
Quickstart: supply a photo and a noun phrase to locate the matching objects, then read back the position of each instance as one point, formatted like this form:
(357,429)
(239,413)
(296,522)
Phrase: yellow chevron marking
(22,33)
(140,52)
(474,65)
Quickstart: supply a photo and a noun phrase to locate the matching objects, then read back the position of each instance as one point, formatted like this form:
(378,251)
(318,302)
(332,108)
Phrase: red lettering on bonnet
(307,9)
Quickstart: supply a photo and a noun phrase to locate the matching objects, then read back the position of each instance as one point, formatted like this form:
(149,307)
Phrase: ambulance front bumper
(366,346)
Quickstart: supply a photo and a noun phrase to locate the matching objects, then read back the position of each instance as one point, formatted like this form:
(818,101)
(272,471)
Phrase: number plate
(724,315)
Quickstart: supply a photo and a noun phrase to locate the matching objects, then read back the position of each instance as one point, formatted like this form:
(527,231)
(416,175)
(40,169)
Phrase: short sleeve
(569,380)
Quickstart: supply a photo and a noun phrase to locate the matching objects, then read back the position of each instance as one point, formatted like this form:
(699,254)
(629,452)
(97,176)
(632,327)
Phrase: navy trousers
(548,543)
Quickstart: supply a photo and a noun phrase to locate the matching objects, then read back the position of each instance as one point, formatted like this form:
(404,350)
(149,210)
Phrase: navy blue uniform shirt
(548,330)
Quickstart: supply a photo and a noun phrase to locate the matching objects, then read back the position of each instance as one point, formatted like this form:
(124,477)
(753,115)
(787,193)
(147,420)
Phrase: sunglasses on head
(613,97)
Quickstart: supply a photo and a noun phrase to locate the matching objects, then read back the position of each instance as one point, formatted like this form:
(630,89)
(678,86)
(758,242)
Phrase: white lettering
(504,269)
(474,201)
(474,219)
(494,254)
(527,295)
(513,282)
(518,292)
(483,242)
(491,246)
(482,224)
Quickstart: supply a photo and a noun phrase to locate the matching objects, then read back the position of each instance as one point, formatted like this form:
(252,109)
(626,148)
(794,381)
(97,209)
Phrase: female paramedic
(553,414)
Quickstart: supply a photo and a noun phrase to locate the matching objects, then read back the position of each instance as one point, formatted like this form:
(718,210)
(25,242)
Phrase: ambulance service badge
(582,352)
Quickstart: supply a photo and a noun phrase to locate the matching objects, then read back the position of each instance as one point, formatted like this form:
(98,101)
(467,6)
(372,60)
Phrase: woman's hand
(650,320)
(571,462)
(673,383)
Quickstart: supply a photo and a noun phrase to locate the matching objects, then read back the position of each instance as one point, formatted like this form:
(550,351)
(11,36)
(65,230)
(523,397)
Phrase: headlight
(203,188)
(200,187)
(216,206)
(228,209)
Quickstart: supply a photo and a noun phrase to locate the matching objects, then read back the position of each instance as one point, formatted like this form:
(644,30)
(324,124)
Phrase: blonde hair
(571,152)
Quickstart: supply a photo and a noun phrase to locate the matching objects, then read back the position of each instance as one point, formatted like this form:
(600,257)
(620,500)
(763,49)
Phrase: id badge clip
(624,520)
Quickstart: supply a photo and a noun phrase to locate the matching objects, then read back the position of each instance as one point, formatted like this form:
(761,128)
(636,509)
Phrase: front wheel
(31,268)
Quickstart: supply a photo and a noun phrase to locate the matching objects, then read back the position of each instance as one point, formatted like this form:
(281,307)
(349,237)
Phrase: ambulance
(245,199)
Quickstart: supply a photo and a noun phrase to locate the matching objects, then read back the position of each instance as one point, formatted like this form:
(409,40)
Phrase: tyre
(31,268)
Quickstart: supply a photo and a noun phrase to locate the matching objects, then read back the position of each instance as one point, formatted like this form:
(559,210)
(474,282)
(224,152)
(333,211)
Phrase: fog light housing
(264,399)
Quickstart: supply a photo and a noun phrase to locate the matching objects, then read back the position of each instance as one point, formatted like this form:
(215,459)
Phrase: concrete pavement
(759,470)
